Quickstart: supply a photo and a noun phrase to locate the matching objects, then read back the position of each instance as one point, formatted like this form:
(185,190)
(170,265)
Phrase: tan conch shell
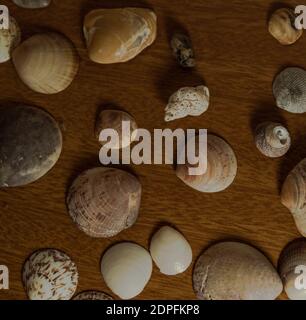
(104,201)
(294,195)
(282,26)
(9,40)
(46,62)
(92,295)
(32,4)
(113,119)
(187,101)
(235,271)
(292,268)
(221,168)
(289,89)
(272,139)
(118,35)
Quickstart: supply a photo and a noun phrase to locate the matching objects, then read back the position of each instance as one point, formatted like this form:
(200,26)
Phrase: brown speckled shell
(182,50)
(104,201)
(92,295)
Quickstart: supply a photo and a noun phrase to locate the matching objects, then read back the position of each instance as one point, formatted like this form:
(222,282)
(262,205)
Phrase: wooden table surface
(237,59)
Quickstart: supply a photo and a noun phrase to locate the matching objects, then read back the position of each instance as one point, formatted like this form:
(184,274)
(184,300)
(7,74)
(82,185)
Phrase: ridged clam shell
(9,40)
(92,295)
(32,4)
(221,168)
(47,62)
(104,201)
(289,89)
(235,271)
(293,256)
(50,275)
(272,139)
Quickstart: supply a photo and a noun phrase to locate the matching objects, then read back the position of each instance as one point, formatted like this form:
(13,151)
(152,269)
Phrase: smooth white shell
(170,251)
(9,40)
(126,269)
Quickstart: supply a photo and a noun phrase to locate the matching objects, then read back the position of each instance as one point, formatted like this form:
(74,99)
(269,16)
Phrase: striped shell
(92,295)
(32,4)
(50,275)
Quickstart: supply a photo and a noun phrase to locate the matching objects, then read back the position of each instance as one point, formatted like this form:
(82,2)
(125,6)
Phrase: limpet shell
(126,269)
(50,274)
(32,4)
(104,201)
(235,271)
(46,62)
(92,295)
(182,50)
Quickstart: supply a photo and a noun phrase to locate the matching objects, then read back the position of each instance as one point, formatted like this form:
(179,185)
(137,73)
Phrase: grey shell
(32,4)
(92,295)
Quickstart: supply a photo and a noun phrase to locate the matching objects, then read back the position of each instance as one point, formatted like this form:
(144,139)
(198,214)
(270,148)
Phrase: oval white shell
(126,269)
(170,251)
(92,295)
(32,4)
(9,40)
(50,275)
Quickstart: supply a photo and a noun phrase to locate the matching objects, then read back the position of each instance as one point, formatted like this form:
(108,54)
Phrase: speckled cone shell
(293,256)
(294,195)
(272,139)
(221,168)
(118,35)
(30,144)
(32,4)
(50,275)
(47,62)
(235,271)
(104,201)
(289,89)
(92,295)
(9,40)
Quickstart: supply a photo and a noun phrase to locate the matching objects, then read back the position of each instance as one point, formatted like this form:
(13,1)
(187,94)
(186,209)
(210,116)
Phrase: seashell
(293,195)
(113,119)
(46,62)
(30,144)
(32,4)
(126,269)
(187,101)
(235,271)
(104,201)
(292,259)
(221,168)
(92,295)
(118,35)
(170,251)
(289,90)
(50,275)
(9,40)
(182,50)
(282,26)
(272,139)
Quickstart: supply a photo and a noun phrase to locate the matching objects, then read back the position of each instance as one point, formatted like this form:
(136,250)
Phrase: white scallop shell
(9,40)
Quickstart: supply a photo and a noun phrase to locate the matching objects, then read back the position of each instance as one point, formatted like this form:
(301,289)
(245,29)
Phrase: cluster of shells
(104,201)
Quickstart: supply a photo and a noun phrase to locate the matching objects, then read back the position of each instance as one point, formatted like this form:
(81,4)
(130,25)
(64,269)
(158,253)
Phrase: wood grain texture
(237,59)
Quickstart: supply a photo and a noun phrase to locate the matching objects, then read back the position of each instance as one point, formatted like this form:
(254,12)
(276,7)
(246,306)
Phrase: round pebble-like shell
(50,275)
(292,259)
(32,4)
(126,269)
(170,251)
(235,271)
(30,144)
(46,62)
(92,295)
(289,89)
(104,201)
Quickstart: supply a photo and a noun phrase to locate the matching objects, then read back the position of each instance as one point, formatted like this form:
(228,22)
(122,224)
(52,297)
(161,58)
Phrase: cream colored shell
(187,101)
(47,62)
(235,271)
(118,35)
(32,4)
(126,269)
(9,40)
(92,295)
(50,275)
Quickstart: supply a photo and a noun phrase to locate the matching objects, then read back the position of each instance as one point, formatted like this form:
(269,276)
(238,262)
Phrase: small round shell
(282,26)
(235,271)
(113,119)
(92,295)
(187,101)
(47,62)
(182,50)
(126,269)
(291,265)
(170,251)
(272,139)
(289,89)
(50,275)
(9,40)
(104,201)
(32,4)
